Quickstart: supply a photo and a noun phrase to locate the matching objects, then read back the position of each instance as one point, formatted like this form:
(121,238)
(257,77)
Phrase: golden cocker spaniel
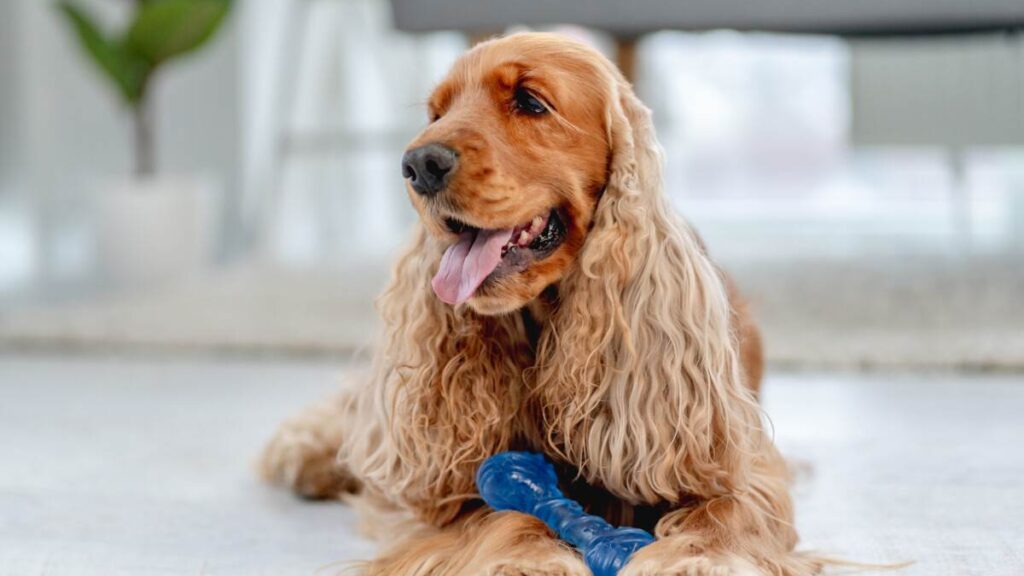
(551,301)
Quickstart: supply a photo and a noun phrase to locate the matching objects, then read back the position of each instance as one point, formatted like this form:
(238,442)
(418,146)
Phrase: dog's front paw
(303,457)
(668,559)
(562,567)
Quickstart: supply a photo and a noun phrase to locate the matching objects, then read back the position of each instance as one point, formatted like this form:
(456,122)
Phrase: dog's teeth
(524,237)
(537,225)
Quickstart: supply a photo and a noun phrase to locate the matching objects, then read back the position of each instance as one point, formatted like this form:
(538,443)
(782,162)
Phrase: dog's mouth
(481,255)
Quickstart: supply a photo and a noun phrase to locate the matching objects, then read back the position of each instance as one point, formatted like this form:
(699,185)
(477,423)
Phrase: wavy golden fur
(624,355)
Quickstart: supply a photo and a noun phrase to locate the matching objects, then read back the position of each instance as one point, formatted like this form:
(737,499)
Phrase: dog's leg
(713,545)
(483,543)
(302,454)
(748,534)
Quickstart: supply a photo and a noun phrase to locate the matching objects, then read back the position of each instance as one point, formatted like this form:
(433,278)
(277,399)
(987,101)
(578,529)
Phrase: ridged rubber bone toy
(526,482)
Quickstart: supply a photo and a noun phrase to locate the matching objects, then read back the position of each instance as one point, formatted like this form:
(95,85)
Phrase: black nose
(428,167)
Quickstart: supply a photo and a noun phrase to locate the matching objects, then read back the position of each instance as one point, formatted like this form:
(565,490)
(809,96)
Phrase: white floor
(112,467)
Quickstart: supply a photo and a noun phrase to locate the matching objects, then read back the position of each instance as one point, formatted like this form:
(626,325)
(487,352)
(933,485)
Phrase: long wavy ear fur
(446,390)
(639,376)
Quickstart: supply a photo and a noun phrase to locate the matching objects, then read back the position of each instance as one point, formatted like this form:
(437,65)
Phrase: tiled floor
(143,467)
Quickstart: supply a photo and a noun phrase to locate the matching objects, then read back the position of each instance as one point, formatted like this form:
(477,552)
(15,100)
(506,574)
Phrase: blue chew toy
(526,482)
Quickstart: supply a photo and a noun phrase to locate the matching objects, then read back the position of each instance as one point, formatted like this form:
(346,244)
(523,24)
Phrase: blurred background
(865,187)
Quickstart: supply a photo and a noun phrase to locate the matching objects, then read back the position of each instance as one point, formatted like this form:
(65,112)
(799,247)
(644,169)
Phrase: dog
(551,301)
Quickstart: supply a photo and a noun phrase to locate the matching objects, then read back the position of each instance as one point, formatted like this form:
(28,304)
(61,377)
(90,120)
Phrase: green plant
(158,32)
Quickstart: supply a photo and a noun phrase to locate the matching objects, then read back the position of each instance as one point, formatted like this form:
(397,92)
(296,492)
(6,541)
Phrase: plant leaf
(127,74)
(164,29)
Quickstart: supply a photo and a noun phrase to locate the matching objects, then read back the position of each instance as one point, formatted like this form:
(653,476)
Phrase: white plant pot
(155,230)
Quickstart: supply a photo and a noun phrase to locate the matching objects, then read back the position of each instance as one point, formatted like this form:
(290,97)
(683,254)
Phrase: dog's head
(507,175)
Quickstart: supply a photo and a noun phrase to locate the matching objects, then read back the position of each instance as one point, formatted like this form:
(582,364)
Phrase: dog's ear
(639,375)
(439,402)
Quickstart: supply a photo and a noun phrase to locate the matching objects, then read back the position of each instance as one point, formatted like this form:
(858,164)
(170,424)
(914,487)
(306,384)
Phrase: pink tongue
(467,263)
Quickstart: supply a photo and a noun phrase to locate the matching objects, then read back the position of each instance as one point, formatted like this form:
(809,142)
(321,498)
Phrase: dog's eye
(528,103)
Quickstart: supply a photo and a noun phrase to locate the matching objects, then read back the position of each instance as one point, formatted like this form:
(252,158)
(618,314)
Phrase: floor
(112,467)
